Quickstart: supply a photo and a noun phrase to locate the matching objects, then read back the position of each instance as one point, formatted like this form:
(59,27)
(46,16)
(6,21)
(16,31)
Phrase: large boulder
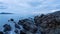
(7,27)
(28,25)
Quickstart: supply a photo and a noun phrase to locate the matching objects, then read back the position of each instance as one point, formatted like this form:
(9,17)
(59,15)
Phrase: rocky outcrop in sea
(40,24)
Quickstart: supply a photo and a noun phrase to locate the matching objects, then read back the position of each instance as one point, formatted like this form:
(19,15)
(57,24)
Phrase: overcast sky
(25,6)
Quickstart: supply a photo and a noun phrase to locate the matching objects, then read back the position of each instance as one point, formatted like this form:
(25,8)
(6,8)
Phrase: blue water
(5,17)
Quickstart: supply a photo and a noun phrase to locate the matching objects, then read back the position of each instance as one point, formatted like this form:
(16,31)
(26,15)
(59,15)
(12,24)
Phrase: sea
(5,17)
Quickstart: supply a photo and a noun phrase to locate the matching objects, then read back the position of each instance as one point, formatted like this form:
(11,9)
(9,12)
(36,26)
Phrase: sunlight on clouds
(55,10)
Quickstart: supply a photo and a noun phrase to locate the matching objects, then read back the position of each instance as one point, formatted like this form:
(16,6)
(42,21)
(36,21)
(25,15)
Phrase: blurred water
(5,17)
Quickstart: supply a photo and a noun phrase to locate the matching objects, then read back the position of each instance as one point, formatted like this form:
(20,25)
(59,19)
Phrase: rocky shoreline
(43,24)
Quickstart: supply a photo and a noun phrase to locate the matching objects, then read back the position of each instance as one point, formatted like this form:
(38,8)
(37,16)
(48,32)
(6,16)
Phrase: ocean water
(5,17)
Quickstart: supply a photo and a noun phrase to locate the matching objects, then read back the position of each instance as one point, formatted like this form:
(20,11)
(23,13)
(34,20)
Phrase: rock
(17,26)
(21,32)
(1,32)
(46,24)
(28,25)
(57,13)
(38,19)
(7,27)
(21,22)
(11,19)
(49,23)
(16,31)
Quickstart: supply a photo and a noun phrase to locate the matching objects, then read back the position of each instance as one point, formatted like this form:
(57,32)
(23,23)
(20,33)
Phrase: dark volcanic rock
(7,27)
(27,25)
(38,19)
(1,32)
(21,32)
(46,24)
(16,31)
(17,26)
(57,13)
(12,19)
(49,24)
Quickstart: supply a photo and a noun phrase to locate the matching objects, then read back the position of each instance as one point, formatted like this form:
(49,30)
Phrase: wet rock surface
(48,23)
(21,32)
(1,32)
(43,24)
(7,28)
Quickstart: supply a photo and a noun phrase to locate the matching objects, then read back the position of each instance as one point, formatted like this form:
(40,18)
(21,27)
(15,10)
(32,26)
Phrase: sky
(29,6)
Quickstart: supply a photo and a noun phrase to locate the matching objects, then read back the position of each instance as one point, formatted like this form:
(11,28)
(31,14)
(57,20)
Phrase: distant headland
(5,13)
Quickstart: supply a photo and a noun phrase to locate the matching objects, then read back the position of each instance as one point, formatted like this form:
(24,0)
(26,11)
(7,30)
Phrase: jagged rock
(16,31)
(49,23)
(57,13)
(46,24)
(1,32)
(27,25)
(38,19)
(7,27)
(30,21)
(17,26)
(21,32)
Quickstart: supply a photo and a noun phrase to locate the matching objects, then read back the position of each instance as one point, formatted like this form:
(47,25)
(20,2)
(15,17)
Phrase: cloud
(18,6)
(55,10)
(34,4)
